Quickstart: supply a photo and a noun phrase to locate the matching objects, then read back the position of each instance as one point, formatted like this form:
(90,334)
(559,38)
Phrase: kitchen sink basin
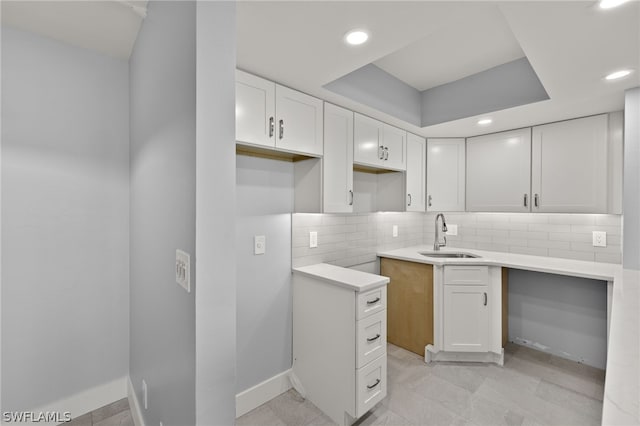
(448,255)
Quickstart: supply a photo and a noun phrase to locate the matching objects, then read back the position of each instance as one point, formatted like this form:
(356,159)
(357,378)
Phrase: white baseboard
(262,392)
(88,400)
(134,405)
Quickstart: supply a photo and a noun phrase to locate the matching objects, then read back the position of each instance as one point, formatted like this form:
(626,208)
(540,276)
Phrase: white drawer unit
(371,338)
(340,339)
(371,385)
(371,302)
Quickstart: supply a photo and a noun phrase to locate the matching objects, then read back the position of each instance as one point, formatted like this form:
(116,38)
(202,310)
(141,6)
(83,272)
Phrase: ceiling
(468,45)
(571,46)
(108,27)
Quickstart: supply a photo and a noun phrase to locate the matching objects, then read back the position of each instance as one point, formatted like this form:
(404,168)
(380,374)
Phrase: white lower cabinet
(339,342)
(466,309)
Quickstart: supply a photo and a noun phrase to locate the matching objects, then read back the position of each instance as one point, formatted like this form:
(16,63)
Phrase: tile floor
(533,388)
(114,414)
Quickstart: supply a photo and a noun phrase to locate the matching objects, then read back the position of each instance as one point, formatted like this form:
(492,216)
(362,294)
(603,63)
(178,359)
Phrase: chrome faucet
(437,244)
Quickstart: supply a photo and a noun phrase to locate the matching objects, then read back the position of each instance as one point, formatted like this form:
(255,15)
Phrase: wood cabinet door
(409,304)
(569,166)
(499,172)
(255,110)
(337,162)
(445,175)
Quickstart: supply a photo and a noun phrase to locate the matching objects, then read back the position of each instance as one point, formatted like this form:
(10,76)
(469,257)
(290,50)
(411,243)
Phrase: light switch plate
(259,244)
(183,270)
(313,239)
(395,230)
(452,229)
(599,239)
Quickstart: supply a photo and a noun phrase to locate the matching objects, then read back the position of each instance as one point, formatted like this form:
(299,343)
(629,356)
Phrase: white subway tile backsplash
(350,239)
(568,254)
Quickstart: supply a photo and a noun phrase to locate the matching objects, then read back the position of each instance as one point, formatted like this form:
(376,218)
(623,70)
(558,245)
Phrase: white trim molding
(257,395)
(134,405)
(88,400)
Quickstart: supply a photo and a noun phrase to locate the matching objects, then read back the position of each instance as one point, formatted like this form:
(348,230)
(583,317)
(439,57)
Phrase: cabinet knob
(386,153)
(536,201)
(272,126)
(351,197)
(409,199)
(281,129)
(485,299)
(526,199)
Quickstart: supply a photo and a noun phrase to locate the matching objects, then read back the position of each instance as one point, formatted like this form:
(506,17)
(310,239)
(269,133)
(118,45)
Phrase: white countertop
(621,405)
(344,277)
(552,265)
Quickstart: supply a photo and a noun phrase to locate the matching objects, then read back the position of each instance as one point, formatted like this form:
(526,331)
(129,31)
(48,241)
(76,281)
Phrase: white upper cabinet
(378,145)
(255,110)
(299,121)
(275,116)
(569,166)
(499,172)
(415,175)
(338,160)
(445,175)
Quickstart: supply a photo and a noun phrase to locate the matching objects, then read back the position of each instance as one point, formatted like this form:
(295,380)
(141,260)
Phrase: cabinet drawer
(370,302)
(371,338)
(466,275)
(371,385)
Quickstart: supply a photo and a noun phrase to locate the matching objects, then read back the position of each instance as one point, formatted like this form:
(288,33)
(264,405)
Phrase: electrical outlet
(452,229)
(313,239)
(259,244)
(183,270)
(145,398)
(599,239)
(395,231)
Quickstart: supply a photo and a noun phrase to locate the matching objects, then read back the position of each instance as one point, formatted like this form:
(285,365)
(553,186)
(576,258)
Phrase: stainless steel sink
(448,255)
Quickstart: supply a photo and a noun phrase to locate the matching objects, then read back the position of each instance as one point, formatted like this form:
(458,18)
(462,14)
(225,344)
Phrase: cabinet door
(338,160)
(569,166)
(499,172)
(416,179)
(367,135)
(255,110)
(299,124)
(445,175)
(393,142)
(466,318)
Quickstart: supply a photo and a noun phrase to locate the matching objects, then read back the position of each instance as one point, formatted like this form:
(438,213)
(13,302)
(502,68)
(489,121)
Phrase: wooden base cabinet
(340,343)
(410,304)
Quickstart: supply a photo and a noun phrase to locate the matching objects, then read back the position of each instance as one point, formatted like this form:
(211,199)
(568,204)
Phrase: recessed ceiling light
(485,121)
(609,4)
(618,74)
(356,37)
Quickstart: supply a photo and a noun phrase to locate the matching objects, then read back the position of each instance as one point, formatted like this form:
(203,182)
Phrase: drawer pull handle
(373,302)
(373,339)
(485,299)
(374,385)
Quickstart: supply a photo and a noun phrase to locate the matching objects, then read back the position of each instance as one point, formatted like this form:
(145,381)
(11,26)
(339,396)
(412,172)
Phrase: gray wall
(65,221)
(264,205)
(215,214)
(565,316)
(163,179)
(631,198)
